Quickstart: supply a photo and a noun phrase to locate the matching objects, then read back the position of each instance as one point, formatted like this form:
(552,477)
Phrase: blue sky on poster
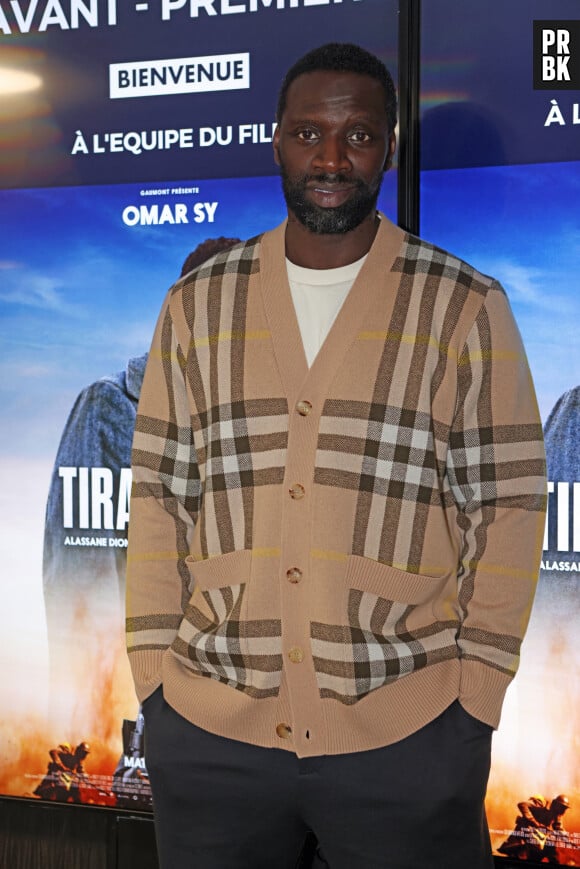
(520,224)
(80,289)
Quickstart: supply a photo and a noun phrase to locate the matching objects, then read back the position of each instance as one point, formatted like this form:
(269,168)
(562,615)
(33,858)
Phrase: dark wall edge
(409,85)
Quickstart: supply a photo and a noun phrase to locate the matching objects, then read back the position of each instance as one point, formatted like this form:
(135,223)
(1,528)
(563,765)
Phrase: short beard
(330,221)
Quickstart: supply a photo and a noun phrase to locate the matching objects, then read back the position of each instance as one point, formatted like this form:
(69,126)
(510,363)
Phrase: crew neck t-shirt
(318,295)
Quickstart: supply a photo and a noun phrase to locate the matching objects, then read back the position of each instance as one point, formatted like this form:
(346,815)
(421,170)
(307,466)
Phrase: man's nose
(331,155)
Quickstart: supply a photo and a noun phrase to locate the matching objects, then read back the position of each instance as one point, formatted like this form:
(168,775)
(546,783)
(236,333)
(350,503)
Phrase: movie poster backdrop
(130,133)
(148,132)
(500,186)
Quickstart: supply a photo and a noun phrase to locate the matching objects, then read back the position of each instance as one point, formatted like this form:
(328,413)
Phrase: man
(336,520)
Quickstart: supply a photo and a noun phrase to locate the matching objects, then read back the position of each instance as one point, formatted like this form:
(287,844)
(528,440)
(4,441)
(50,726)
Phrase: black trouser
(223,804)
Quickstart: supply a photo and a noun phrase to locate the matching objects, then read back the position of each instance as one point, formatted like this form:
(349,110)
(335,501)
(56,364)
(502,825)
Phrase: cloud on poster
(36,291)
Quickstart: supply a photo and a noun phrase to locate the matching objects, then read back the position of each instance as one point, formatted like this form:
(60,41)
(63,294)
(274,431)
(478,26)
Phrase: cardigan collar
(375,277)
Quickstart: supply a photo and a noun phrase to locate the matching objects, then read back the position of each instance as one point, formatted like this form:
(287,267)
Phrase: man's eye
(307,135)
(359,136)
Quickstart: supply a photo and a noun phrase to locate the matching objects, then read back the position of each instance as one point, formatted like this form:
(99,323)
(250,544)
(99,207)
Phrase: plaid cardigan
(323,559)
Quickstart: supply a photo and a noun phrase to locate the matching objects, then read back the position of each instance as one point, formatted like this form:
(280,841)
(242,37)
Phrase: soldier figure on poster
(538,833)
(66,775)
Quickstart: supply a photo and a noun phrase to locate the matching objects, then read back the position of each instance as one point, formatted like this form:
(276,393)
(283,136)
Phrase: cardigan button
(284,731)
(303,407)
(294,574)
(297,491)
(296,655)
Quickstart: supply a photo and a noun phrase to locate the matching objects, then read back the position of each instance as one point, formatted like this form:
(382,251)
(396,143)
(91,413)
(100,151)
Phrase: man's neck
(312,251)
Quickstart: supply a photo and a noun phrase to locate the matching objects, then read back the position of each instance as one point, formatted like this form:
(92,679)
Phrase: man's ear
(276,145)
(391,151)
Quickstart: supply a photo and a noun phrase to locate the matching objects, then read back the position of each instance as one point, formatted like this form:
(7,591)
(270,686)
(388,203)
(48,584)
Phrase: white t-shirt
(318,295)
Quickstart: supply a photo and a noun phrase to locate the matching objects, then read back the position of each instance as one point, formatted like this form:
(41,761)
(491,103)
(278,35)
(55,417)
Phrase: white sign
(180,75)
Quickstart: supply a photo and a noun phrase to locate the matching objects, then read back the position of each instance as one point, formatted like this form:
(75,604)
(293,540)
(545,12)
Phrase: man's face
(333,146)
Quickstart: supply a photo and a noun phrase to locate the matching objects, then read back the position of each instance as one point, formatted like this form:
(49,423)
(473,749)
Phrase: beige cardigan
(323,559)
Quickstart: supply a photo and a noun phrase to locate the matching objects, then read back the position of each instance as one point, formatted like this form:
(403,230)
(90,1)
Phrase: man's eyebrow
(353,117)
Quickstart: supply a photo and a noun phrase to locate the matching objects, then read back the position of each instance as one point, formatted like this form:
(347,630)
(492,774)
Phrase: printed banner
(505,143)
(107,92)
(87,274)
(124,154)
(133,135)
(531,228)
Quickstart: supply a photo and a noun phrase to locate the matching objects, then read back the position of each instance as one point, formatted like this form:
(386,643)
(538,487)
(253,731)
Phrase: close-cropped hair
(342,57)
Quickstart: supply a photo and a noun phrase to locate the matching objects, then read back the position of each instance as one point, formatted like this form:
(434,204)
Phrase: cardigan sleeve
(496,469)
(165,502)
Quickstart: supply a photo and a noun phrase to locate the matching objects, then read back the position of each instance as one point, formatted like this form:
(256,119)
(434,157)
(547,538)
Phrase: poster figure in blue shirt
(84,561)
(562,440)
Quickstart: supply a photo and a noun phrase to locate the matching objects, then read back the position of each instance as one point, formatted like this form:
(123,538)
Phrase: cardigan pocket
(217,640)
(395,623)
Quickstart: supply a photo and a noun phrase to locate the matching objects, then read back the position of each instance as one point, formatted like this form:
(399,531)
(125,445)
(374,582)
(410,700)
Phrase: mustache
(332,178)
